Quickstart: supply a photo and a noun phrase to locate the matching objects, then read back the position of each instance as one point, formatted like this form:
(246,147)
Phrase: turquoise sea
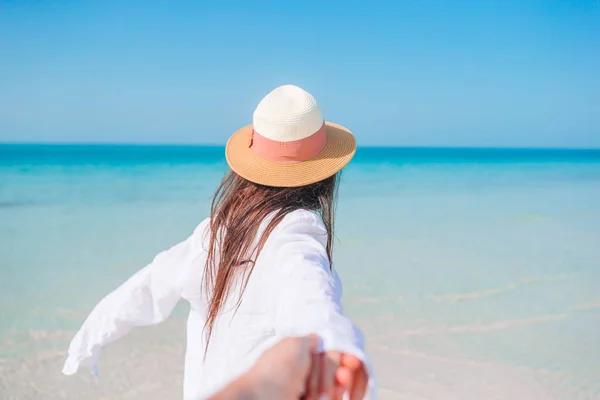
(451,258)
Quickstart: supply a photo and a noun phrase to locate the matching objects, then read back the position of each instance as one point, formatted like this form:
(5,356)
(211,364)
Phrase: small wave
(457,297)
(373,300)
(38,334)
(452,360)
(474,328)
(585,307)
(68,313)
(534,217)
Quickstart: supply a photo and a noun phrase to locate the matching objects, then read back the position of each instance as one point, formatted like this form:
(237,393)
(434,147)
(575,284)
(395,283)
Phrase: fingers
(352,375)
(305,365)
(343,377)
(333,374)
(308,363)
(339,393)
(331,362)
(312,384)
(322,378)
(359,384)
(351,362)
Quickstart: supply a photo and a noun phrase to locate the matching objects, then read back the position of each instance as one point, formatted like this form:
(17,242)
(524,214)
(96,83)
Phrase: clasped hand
(293,370)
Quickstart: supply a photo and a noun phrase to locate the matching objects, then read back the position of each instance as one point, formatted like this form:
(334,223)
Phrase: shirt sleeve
(147,298)
(311,293)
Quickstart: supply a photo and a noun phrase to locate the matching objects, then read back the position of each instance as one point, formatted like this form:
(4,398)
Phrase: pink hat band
(289,152)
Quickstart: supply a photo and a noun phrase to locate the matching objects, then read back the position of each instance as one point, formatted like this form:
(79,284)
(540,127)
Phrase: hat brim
(338,152)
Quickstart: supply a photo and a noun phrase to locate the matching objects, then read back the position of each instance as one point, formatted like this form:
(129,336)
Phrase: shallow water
(473,273)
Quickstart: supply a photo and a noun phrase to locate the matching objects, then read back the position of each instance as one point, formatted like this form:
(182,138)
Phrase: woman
(259,269)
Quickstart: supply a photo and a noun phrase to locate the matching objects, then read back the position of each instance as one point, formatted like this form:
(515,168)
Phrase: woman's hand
(279,374)
(333,373)
(292,368)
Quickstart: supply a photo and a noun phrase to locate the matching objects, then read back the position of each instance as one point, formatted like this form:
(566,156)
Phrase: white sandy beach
(148,365)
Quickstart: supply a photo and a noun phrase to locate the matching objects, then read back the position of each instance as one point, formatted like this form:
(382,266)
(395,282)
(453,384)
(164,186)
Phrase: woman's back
(281,298)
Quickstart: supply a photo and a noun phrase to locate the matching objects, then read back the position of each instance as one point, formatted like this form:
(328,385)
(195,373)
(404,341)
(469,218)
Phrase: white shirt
(292,291)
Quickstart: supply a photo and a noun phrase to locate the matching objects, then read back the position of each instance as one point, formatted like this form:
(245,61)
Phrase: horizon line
(369,146)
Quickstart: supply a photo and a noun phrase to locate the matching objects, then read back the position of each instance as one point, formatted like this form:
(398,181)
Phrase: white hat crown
(286,114)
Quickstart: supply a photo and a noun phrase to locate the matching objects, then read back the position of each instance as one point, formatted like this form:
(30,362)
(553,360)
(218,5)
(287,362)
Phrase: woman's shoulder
(298,231)
(301,219)
(299,243)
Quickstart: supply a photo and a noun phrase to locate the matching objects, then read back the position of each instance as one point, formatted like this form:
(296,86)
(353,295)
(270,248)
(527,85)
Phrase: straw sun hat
(289,144)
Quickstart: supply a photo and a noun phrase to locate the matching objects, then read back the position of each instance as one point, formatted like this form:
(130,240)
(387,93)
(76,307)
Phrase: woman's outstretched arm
(310,295)
(147,298)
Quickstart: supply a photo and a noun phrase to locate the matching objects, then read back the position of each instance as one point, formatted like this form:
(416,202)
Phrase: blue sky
(449,73)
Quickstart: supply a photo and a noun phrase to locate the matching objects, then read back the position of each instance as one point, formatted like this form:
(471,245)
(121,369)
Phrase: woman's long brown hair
(238,208)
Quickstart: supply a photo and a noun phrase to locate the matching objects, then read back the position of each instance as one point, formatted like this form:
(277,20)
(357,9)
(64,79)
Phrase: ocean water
(450,258)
